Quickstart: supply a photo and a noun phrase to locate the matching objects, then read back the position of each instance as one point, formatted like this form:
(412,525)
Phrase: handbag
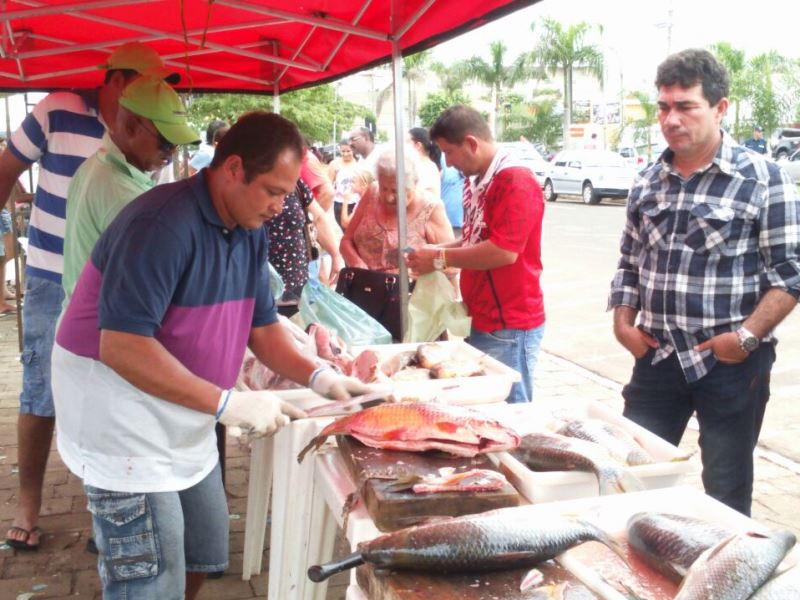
(377,293)
(309,229)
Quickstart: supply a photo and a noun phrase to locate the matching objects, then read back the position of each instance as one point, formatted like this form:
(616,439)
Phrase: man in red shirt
(499,252)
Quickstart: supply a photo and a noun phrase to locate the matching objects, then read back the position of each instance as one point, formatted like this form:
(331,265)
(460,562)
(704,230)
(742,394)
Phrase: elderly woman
(371,239)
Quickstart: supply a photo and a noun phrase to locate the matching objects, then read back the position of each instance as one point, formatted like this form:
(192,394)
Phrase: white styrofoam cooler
(670,466)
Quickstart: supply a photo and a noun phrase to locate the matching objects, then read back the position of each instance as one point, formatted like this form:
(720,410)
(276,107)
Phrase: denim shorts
(147,542)
(40,312)
(5,229)
(515,348)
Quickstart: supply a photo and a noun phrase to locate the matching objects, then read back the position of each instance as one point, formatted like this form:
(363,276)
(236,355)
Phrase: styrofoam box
(611,514)
(494,386)
(564,485)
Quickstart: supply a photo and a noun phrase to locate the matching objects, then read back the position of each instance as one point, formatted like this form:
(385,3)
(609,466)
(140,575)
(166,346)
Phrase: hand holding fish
(255,412)
(327,382)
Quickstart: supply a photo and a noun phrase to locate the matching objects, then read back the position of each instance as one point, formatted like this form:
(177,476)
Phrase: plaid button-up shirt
(698,253)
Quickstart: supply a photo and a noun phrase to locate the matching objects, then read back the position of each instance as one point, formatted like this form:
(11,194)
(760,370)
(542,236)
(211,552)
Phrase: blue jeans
(730,402)
(147,542)
(516,348)
(40,312)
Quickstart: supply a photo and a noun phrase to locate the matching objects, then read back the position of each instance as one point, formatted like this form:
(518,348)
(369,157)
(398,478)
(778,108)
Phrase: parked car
(590,174)
(632,157)
(527,155)
(792,165)
(785,140)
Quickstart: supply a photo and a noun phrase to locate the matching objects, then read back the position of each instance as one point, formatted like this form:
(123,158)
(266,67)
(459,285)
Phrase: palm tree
(564,49)
(495,74)
(643,128)
(735,63)
(415,70)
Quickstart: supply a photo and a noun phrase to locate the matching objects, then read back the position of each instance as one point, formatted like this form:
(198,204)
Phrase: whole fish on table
(620,444)
(419,427)
(554,452)
(495,540)
(736,567)
(671,543)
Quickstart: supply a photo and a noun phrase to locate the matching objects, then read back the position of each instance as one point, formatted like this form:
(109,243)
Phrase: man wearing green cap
(61,131)
(151,122)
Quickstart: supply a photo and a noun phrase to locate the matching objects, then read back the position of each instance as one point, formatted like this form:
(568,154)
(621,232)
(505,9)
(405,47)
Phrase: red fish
(418,427)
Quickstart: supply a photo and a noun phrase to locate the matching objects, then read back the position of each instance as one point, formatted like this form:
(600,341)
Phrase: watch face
(750,343)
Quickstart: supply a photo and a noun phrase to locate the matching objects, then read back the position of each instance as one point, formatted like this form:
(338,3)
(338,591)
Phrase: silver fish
(554,452)
(496,540)
(785,586)
(620,444)
(736,567)
(671,543)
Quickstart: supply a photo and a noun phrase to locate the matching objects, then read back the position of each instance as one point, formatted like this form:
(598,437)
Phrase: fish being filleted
(497,540)
(785,586)
(620,444)
(472,480)
(419,427)
(430,355)
(671,543)
(554,452)
(736,567)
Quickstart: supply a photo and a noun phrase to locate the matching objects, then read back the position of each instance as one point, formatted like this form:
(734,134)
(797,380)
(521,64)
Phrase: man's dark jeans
(729,401)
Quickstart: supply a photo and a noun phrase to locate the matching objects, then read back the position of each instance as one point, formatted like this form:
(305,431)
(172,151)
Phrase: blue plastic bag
(320,304)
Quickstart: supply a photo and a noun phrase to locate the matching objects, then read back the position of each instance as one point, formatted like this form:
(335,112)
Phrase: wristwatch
(439,261)
(747,340)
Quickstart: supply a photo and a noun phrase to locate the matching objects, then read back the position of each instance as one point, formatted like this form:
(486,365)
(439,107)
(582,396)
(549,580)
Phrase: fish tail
(617,481)
(315,443)
(608,541)
(317,573)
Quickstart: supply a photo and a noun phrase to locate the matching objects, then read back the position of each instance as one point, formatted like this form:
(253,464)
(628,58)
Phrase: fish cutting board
(373,471)
(409,585)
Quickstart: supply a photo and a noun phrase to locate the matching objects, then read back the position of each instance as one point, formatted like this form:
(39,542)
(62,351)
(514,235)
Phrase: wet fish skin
(671,543)
(785,586)
(554,452)
(477,543)
(736,567)
(419,427)
(620,444)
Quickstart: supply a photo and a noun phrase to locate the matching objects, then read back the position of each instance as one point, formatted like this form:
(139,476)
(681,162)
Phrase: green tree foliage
(735,63)
(565,49)
(643,128)
(314,110)
(415,71)
(436,103)
(494,74)
(539,120)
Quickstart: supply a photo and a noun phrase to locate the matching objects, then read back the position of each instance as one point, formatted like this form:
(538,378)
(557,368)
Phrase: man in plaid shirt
(711,261)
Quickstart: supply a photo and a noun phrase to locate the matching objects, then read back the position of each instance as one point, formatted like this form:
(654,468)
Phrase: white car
(528,156)
(590,174)
(792,165)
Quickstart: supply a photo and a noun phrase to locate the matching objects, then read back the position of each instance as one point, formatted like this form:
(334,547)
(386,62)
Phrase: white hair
(387,165)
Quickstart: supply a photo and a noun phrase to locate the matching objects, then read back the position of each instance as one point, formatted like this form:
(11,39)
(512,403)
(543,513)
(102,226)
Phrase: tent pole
(17,262)
(399,143)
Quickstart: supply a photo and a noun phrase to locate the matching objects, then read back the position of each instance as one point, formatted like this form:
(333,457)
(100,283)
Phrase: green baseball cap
(141,58)
(150,97)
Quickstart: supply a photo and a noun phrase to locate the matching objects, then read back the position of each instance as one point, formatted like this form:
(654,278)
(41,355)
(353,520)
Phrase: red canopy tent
(264,46)
(256,46)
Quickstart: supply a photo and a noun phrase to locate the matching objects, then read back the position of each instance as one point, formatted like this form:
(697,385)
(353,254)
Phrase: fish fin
(531,578)
(404,483)
(315,443)
(394,434)
(630,483)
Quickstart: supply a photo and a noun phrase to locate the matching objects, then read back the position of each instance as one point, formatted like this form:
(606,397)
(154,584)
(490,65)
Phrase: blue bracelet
(316,372)
(224,404)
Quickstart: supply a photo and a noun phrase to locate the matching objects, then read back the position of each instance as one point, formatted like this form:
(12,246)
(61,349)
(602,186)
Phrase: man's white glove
(258,413)
(327,382)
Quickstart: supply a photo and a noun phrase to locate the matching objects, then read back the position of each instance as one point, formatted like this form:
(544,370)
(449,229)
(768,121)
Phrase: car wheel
(588,195)
(547,190)
(781,154)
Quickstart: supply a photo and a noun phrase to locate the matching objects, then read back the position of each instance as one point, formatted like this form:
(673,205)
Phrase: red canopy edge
(251,46)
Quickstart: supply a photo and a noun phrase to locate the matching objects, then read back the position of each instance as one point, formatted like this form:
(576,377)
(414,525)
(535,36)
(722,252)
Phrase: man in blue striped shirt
(60,133)
(711,262)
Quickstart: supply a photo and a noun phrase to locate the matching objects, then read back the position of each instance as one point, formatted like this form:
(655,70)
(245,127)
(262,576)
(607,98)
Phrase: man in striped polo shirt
(63,130)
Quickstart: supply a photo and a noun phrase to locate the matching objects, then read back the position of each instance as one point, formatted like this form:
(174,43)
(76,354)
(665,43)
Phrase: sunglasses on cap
(164,145)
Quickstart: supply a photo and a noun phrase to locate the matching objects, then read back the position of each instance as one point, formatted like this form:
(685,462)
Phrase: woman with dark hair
(428,154)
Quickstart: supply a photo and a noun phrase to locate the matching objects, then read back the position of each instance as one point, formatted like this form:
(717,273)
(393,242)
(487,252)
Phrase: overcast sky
(635,31)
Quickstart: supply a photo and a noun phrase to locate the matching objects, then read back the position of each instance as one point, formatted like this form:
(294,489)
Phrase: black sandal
(23,543)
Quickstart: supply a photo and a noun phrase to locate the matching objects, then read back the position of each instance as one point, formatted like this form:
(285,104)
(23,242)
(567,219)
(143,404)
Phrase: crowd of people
(140,299)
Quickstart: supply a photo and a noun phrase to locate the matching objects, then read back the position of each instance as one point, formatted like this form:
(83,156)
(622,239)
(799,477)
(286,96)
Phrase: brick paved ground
(63,569)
